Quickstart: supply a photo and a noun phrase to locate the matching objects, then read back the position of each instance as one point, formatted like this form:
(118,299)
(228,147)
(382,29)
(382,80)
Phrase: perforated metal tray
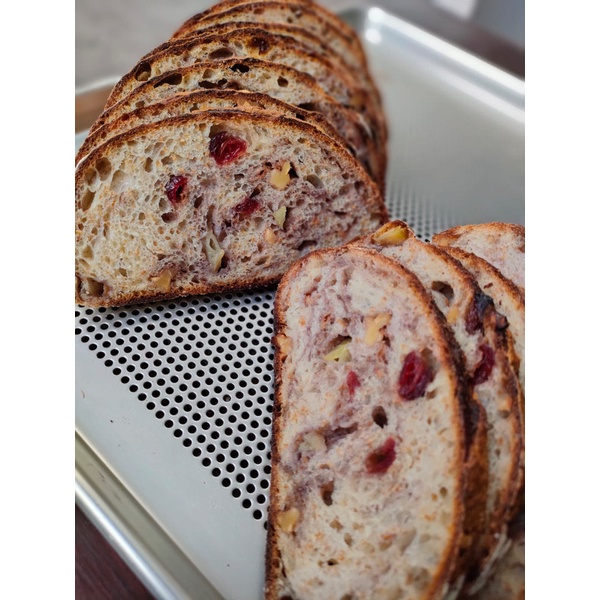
(174,399)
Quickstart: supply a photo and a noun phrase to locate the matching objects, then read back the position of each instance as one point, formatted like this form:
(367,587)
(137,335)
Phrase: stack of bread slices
(254,135)
(398,439)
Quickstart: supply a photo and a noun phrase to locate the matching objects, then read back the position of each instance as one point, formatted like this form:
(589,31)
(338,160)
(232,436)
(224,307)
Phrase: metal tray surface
(174,399)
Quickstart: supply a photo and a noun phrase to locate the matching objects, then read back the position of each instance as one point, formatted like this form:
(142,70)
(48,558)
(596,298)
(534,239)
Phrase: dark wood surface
(100,573)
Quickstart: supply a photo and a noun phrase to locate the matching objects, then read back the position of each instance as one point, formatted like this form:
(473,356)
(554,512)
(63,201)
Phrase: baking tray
(174,399)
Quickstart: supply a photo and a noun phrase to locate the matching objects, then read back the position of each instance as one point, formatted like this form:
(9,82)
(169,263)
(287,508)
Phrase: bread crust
(372,207)
(274,569)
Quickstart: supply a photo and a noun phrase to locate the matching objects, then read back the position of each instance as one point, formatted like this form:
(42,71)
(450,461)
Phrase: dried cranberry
(246,207)
(225,148)
(381,459)
(414,377)
(353,382)
(175,188)
(485,366)
(479,305)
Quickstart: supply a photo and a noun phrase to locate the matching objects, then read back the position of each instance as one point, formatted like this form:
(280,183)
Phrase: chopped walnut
(340,353)
(280,177)
(288,520)
(390,237)
(280,215)
(374,326)
(214,252)
(163,281)
(270,236)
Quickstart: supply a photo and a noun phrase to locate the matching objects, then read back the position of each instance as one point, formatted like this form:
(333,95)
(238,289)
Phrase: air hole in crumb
(104,168)
(167,160)
(327,493)
(94,288)
(379,416)
(87,200)
(348,539)
(220,53)
(444,289)
(315,181)
(173,79)
(143,71)
(198,201)
(443,492)
(332,562)
(148,165)
(282,82)
(306,244)
(169,217)
(309,106)
(240,68)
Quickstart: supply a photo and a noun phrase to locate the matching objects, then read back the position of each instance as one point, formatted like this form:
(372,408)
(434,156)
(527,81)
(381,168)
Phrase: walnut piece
(270,236)
(393,236)
(312,442)
(214,252)
(374,326)
(280,177)
(340,353)
(163,281)
(288,520)
(279,215)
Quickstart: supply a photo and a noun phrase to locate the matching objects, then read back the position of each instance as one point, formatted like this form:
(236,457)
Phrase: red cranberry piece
(246,207)
(381,459)
(353,382)
(414,377)
(175,188)
(225,148)
(479,305)
(485,366)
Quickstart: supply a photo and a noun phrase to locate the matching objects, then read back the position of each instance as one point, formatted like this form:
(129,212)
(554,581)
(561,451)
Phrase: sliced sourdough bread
(336,83)
(278,81)
(311,17)
(310,40)
(368,455)
(197,101)
(501,244)
(495,393)
(213,201)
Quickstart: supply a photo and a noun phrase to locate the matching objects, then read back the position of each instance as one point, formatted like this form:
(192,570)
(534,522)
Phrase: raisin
(381,459)
(485,365)
(474,319)
(225,148)
(175,188)
(352,381)
(246,207)
(414,377)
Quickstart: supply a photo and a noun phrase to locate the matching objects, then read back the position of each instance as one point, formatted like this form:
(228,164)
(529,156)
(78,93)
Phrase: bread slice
(368,477)
(501,244)
(308,39)
(278,81)
(197,101)
(247,43)
(312,17)
(508,299)
(495,392)
(212,201)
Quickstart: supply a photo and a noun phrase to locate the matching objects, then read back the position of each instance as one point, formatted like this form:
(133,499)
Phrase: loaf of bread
(369,443)
(501,244)
(212,201)
(495,391)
